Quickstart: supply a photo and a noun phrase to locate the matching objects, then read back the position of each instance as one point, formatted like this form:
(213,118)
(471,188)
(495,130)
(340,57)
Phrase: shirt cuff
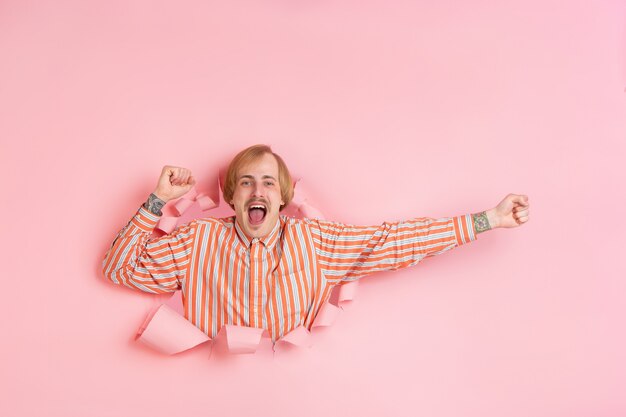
(145,220)
(464,229)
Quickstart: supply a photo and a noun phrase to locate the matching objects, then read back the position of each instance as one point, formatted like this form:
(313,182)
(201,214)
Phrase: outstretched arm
(348,252)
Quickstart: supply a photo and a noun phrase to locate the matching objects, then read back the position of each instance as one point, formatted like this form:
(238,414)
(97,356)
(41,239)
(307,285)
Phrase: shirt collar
(268,241)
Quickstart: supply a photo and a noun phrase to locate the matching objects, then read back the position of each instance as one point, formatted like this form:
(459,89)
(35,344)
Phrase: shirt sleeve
(155,265)
(347,252)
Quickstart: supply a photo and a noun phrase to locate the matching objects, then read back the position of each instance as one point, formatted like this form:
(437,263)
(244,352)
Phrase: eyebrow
(263,177)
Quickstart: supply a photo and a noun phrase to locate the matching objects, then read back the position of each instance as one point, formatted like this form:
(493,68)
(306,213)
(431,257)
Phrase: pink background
(387,110)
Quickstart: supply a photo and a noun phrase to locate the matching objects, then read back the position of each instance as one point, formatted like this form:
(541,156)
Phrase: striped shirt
(277,282)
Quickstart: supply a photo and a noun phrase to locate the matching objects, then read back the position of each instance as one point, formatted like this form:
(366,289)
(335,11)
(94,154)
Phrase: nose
(258,190)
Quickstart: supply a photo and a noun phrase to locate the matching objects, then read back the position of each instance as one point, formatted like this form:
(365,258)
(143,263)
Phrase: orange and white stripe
(277,282)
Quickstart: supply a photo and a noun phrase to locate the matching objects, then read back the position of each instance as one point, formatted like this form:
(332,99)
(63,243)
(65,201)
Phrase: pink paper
(242,339)
(191,194)
(299,336)
(347,291)
(205,202)
(171,333)
(167,224)
(182,205)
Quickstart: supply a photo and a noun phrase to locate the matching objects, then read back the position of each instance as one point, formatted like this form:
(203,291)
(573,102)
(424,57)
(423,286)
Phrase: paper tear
(167,330)
(168,223)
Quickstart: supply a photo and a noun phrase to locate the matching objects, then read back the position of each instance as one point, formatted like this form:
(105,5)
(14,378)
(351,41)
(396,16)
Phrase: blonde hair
(251,154)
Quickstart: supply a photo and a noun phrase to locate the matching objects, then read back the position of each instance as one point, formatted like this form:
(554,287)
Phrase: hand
(513,211)
(174,182)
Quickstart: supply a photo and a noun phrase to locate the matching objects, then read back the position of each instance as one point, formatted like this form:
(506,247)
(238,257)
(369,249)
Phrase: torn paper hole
(167,330)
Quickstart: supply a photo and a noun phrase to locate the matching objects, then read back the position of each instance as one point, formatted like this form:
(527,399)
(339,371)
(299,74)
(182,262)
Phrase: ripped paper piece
(347,290)
(168,223)
(205,202)
(170,333)
(182,205)
(301,203)
(242,339)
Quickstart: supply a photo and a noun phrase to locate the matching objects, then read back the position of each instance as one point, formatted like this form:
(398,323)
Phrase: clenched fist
(174,182)
(513,211)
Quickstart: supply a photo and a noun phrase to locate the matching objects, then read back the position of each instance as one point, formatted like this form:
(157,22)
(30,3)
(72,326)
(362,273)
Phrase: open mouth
(256,213)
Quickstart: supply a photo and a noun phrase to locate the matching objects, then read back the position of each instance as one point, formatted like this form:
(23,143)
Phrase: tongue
(256,215)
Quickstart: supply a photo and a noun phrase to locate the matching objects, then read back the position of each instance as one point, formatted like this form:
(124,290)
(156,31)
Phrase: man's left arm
(347,252)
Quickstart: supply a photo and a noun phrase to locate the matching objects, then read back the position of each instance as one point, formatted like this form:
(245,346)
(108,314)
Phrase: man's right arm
(152,265)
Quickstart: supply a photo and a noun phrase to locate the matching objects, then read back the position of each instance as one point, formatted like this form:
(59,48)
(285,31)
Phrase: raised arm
(153,265)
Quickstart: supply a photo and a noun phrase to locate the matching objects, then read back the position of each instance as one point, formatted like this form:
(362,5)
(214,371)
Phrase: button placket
(254,254)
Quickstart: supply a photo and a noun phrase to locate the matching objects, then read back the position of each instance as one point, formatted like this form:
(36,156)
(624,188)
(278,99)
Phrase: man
(265,270)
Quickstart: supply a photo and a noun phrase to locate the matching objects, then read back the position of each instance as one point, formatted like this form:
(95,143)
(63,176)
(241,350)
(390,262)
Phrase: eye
(245,183)
(269,183)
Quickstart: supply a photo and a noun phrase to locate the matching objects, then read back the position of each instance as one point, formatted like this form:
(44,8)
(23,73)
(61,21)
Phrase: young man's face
(257,198)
